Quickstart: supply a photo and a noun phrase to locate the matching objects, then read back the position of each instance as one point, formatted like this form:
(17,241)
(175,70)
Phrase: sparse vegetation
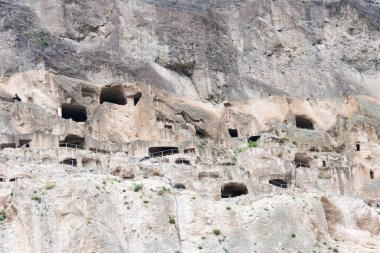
(294,142)
(3,216)
(228,208)
(49,185)
(171,220)
(335,250)
(163,190)
(37,198)
(216,231)
(200,247)
(293,235)
(137,187)
(252,144)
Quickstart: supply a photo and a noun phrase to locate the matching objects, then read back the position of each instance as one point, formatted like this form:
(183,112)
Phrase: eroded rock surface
(189,126)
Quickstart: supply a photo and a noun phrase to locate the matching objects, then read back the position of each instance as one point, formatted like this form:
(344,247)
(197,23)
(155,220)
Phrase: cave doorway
(70,161)
(114,95)
(24,143)
(180,186)
(162,151)
(357,146)
(182,161)
(136,98)
(279,183)
(371,174)
(88,93)
(304,123)
(77,113)
(231,190)
(72,141)
(254,138)
(233,132)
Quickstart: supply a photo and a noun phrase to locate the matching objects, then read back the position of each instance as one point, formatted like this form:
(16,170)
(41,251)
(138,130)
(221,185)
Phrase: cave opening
(357,146)
(72,141)
(162,151)
(232,190)
(182,161)
(304,123)
(279,183)
(371,174)
(77,113)
(233,132)
(88,93)
(114,94)
(180,186)
(70,161)
(24,143)
(301,160)
(254,138)
(189,151)
(136,98)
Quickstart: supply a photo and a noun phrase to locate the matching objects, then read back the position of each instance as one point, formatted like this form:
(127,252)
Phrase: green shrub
(216,231)
(137,187)
(49,185)
(162,190)
(228,208)
(252,144)
(171,220)
(3,216)
(293,235)
(294,142)
(37,198)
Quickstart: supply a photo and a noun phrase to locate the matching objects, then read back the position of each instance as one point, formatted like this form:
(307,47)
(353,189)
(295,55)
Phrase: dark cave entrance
(182,161)
(75,112)
(24,143)
(114,95)
(180,186)
(233,132)
(357,146)
(304,123)
(254,138)
(70,161)
(136,98)
(88,93)
(371,174)
(279,183)
(72,141)
(162,151)
(232,190)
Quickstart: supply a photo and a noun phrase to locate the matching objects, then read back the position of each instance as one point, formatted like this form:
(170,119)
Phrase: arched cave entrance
(72,141)
(254,138)
(114,94)
(357,146)
(301,160)
(162,151)
(279,183)
(77,113)
(182,161)
(371,174)
(88,93)
(233,132)
(304,123)
(180,186)
(136,98)
(232,190)
(70,161)
(24,143)
(190,151)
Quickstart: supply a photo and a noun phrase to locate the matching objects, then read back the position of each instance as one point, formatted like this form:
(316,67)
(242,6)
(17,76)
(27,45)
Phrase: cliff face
(189,126)
(221,49)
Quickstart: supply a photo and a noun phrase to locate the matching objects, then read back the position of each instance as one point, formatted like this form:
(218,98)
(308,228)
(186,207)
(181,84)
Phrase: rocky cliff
(189,126)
